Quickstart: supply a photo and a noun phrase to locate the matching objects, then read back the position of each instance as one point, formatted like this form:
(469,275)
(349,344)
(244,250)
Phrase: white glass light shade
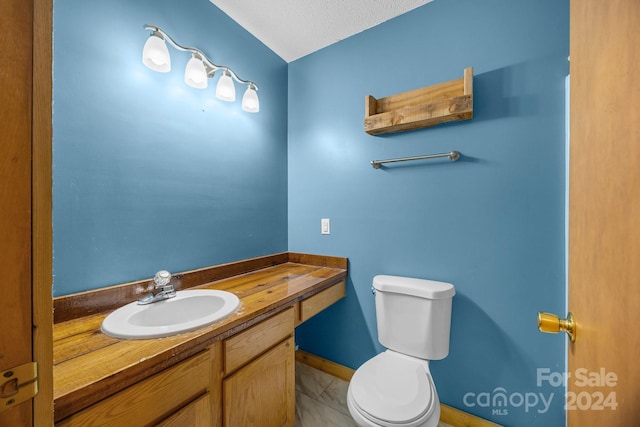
(225,89)
(195,75)
(155,54)
(250,101)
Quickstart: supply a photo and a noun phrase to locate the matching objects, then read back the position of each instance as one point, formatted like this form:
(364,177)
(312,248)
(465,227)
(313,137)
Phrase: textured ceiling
(295,28)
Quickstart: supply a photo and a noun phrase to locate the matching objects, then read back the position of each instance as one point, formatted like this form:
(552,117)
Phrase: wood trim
(16,256)
(448,414)
(458,418)
(215,384)
(325,365)
(318,260)
(42,234)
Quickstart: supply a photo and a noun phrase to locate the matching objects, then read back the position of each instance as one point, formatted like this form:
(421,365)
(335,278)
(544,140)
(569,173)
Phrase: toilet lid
(392,388)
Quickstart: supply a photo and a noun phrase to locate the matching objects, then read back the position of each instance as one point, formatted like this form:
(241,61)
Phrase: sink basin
(187,311)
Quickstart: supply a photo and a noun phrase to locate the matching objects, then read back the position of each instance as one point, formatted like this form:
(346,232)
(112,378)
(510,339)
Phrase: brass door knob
(552,324)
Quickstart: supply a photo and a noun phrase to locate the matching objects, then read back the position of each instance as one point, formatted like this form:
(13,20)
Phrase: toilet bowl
(391,390)
(395,388)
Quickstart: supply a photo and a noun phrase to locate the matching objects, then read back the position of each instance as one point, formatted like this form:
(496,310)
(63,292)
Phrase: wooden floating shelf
(420,108)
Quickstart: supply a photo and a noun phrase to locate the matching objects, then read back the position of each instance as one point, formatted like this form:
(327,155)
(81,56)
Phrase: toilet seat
(392,389)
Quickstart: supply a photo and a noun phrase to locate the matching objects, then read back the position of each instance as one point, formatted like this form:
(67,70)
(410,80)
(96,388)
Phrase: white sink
(187,311)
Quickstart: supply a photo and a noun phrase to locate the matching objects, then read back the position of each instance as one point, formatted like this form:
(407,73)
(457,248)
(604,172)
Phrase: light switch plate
(325,226)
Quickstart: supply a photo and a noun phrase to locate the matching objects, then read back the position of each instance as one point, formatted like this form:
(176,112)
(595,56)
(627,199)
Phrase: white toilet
(395,387)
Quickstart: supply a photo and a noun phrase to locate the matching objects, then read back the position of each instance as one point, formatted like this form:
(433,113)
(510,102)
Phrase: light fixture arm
(210,67)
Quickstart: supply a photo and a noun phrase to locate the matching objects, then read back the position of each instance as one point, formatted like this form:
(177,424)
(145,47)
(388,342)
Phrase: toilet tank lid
(411,286)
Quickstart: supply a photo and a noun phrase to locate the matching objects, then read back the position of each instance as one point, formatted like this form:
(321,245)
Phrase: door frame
(41,209)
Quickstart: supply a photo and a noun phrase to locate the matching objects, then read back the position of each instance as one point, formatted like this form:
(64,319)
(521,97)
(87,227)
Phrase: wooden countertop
(89,366)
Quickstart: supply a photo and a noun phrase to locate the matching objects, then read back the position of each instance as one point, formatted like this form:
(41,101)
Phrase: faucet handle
(162,278)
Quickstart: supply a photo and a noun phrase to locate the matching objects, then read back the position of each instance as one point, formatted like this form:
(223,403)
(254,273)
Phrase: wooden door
(604,214)
(262,394)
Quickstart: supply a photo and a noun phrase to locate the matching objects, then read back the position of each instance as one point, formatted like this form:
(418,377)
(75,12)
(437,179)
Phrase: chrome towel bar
(453,156)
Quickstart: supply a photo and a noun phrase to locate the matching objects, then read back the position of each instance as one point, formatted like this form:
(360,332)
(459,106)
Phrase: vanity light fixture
(250,101)
(195,75)
(155,54)
(199,69)
(225,90)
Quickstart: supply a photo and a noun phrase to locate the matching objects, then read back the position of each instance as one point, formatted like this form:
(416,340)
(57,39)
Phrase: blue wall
(149,173)
(492,223)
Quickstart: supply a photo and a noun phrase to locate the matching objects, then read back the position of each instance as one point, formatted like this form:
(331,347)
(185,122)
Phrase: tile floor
(321,399)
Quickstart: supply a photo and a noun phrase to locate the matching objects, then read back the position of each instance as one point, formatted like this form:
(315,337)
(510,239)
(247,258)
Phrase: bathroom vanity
(236,372)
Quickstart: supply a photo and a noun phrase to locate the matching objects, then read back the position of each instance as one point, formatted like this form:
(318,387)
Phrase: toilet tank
(414,315)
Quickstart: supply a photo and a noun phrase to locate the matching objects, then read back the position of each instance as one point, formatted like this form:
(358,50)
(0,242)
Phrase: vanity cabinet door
(262,393)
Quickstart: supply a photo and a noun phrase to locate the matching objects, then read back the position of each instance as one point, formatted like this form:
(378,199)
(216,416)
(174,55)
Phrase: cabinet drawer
(313,305)
(150,400)
(247,345)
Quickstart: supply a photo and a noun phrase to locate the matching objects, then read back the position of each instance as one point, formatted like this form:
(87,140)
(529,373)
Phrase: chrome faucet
(162,280)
